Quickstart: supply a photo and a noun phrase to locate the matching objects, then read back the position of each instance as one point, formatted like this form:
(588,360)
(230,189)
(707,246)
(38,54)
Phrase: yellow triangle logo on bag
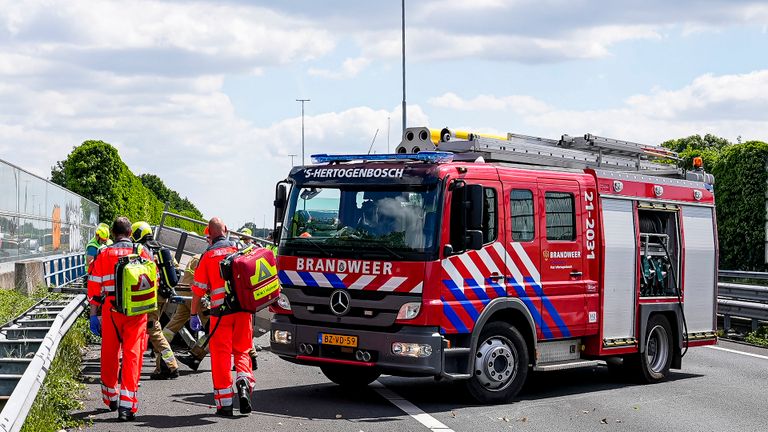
(264,271)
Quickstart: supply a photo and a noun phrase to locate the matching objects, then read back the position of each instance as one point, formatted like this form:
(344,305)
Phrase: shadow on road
(443,396)
(311,402)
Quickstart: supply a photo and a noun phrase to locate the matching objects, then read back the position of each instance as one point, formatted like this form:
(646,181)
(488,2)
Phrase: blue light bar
(425,156)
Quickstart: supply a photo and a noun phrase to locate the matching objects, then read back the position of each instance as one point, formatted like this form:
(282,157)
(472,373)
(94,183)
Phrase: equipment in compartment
(658,252)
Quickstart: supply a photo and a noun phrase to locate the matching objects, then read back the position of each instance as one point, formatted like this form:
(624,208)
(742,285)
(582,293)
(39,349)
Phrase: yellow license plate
(338,340)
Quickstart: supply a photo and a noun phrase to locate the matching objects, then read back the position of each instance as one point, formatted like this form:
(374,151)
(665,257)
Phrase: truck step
(450,352)
(571,364)
(456,376)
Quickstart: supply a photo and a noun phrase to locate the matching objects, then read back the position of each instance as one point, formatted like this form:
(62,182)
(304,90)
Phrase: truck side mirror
(280,203)
(474,239)
(474,194)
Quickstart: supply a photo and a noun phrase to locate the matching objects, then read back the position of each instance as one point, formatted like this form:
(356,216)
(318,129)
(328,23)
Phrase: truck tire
(350,376)
(653,365)
(500,365)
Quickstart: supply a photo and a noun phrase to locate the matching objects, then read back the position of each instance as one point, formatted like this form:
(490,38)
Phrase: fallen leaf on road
(604,421)
(453,414)
(618,421)
(279,423)
(338,416)
(523,419)
(635,407)
(585,412)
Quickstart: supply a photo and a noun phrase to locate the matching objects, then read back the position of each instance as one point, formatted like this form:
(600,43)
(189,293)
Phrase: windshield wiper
(390,250)
(313,243)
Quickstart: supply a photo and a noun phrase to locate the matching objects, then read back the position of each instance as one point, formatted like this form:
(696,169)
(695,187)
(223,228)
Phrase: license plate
(338,340)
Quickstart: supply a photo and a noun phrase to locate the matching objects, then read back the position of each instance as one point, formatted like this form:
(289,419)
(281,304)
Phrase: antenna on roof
(373,141)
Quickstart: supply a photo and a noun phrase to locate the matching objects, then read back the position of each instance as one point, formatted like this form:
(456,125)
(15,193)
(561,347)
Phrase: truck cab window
(489,215)
(561,216)
(458,219)
(521,203)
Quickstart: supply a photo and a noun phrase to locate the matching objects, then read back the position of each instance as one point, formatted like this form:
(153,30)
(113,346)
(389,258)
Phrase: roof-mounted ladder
(589,151)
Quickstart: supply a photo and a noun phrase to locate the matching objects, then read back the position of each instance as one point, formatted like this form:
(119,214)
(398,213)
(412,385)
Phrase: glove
(95,324)
(195,323)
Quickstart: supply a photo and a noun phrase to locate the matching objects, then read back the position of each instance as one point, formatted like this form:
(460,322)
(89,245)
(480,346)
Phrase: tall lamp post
(292,156)
(302,128)
(403,33)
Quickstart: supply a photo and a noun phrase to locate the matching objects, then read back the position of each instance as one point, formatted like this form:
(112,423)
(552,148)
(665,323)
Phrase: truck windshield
(360,221)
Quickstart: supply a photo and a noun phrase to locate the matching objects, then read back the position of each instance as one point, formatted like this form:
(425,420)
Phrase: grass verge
(62,389)
(13,303)
(58,395)
(758,337)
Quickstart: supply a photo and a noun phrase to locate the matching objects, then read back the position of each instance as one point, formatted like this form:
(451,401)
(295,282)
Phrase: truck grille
(367,308)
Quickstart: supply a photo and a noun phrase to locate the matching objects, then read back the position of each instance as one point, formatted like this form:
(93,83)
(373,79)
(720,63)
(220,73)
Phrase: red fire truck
(477,258)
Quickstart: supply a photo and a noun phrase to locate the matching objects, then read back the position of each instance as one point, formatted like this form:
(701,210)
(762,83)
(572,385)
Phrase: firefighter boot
(190,361)
(224,411)
(164,373)
(244,394)
(125,415)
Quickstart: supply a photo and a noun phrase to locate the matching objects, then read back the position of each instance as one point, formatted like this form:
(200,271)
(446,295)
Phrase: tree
(164,194)
(707,147)
(741,183)
(94,170)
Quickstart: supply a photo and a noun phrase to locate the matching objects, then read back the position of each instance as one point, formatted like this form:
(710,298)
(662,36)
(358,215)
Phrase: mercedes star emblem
(340,302)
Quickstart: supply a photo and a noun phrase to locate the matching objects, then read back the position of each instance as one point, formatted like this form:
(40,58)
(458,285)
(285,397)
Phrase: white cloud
(528,31)
(350,68)
(187,131)
(150,37)
(726,105)
(516,103)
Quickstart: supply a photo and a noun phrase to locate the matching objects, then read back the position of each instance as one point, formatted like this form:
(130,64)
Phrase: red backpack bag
(251,274)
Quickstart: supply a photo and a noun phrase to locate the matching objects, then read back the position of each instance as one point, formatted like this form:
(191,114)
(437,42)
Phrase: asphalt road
(717,390)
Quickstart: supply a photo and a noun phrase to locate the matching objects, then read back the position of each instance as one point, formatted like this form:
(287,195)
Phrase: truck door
(522,251)
(470,278)
(562,287)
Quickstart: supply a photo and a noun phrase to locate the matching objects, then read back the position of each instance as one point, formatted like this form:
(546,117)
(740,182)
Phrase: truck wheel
(653,365)
(350,376)
(500,364)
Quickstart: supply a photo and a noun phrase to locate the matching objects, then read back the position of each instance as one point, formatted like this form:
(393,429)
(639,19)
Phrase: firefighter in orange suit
(117,330)
(231,332)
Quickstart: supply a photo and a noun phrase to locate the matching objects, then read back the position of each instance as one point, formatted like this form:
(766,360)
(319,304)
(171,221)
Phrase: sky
(203,93)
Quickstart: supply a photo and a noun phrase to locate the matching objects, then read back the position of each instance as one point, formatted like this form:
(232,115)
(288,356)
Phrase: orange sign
(56,216)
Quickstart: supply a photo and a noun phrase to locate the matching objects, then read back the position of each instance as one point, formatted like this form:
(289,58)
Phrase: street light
(403,33)
(292,156)
(302,128)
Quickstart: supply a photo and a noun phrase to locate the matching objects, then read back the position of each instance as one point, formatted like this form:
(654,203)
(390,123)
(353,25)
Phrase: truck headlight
(411,349)
(283,337)
(283,302)
(409,311)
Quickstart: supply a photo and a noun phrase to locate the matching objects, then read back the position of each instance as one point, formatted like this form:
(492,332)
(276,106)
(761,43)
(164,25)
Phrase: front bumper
(379,344)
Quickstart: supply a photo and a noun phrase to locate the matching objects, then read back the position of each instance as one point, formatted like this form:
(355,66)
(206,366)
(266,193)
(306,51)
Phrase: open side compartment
(659,241)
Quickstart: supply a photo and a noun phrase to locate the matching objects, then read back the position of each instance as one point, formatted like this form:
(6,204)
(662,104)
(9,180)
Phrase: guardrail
(28,345)
(61,270)
(742,300)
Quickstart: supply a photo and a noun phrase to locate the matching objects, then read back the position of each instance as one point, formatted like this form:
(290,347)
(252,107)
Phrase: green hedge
(741,184)
(741,187)
(95,170)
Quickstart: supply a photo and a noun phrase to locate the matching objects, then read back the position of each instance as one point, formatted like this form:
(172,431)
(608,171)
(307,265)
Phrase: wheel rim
(657,349)
(496,363)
